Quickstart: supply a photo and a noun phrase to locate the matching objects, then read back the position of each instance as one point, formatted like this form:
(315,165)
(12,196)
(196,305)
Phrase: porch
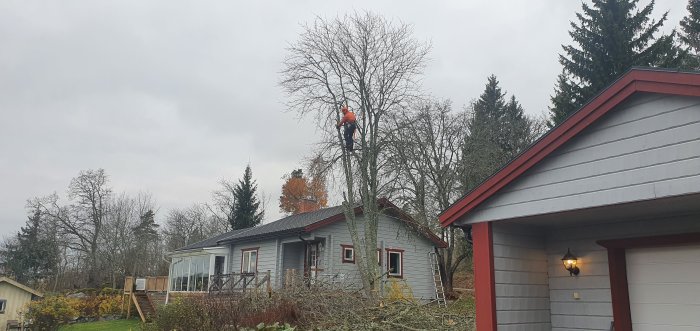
(303,262)
(624,253)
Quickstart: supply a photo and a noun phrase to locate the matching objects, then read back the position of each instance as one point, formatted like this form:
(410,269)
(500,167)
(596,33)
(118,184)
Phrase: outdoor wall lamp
(570,262)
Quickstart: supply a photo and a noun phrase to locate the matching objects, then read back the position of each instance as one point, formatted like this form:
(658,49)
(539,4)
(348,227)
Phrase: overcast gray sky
(171,96)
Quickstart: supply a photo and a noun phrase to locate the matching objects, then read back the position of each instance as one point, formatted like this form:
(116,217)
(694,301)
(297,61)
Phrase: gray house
(311,247)
(597,224)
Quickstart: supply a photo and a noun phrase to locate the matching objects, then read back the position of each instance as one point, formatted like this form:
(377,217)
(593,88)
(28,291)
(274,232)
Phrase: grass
(116,325)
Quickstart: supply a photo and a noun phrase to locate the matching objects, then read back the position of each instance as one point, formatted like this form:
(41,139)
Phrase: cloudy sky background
(171,96)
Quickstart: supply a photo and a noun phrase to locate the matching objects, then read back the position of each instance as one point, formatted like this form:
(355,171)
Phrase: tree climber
(348,121)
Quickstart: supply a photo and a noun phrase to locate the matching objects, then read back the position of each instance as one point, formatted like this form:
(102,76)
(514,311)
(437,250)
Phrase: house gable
(637,140)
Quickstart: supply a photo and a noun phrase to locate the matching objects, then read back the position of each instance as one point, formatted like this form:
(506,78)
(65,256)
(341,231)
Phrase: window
(249,260)
(348,254)
(394,258)
(190,274)
(3,303)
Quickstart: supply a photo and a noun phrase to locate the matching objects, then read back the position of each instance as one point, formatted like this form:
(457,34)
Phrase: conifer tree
(690,33)
(34,255)
(610,38)
(247,212)
(498,130)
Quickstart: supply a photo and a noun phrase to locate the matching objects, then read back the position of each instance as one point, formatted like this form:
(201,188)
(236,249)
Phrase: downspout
(170,270)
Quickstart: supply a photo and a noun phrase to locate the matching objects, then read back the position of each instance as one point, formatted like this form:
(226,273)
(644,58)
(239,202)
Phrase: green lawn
(116,325)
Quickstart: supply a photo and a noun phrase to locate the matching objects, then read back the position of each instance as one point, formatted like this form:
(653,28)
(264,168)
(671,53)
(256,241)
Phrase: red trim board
(636,80)
(484,277)
(617,266)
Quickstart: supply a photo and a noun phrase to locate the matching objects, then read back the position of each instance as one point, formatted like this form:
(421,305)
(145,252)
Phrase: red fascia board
(674,83)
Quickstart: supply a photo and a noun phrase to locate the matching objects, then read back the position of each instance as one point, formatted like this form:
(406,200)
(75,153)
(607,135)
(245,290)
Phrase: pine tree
(145,232)
(690,33)
(498,130)
(247,212)
(34,255)
(612,36)
(515,129)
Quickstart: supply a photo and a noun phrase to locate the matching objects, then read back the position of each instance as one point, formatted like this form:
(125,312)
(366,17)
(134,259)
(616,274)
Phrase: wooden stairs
(144,305)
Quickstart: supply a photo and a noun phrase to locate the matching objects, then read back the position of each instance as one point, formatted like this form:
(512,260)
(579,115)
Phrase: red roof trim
(636,80)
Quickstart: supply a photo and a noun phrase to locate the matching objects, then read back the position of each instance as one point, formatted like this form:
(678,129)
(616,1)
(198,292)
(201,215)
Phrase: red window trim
(394,250)
(617,266)
(342,253)
(257,255)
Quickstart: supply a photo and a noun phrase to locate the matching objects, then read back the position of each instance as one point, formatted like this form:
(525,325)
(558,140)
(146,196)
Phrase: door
(664,288)
(311,269)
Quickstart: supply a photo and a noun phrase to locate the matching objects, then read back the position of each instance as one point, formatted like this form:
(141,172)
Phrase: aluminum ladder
(437,279)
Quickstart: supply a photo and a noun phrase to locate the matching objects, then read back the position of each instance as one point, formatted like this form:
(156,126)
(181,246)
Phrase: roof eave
(635,80)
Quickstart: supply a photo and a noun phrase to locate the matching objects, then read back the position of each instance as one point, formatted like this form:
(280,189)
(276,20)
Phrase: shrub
(180,314)
(110,305)
(50,313)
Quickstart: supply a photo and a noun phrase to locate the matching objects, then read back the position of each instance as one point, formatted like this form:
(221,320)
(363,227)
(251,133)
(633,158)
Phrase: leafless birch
(372,65)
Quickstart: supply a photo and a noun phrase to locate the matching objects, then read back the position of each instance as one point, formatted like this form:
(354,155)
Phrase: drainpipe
(170,269)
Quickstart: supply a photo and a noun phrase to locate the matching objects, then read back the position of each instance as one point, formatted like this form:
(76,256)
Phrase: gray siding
(522,292)
(267,256)
(647,148)
(593,311)
(391,234)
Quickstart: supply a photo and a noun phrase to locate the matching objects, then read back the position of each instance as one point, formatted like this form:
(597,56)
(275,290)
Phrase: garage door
(664,288)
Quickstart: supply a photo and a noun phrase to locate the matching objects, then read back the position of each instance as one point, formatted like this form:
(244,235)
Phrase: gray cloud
(171,96)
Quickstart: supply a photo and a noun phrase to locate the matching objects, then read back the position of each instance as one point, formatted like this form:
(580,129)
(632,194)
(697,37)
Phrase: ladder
(437,279)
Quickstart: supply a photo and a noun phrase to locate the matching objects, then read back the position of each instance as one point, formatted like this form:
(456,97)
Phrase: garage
(664,288)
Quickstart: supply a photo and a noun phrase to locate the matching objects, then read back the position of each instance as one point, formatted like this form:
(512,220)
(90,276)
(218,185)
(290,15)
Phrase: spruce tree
(690,33)
(498,130)
(247,212)
(610,37)
(516,129)
(34,255)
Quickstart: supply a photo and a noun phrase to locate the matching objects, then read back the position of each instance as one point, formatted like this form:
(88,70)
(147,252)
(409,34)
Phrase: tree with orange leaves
(301,194)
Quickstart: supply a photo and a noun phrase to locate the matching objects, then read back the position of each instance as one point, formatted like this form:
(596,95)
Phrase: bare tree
(82,220)
(224,203)
(187,226)
(424,162)
(372,65)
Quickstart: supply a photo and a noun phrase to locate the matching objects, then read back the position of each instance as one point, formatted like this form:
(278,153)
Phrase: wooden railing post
(269,285)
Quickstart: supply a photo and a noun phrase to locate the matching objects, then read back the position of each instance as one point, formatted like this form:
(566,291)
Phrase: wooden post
(269,285)
(128,310)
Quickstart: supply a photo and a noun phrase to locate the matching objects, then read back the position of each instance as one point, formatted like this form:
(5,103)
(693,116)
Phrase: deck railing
(240,283)
(153,284)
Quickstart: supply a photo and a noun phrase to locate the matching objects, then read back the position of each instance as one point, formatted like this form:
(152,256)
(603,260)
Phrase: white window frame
(348,248)
(399,252)
(249,252)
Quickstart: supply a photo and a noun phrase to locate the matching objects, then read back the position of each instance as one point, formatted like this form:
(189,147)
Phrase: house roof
(209,242)
(292,223)
(662,81)
(305,223)
(21,286)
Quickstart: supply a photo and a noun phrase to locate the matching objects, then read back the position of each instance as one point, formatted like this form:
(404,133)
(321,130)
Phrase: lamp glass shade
(569,260)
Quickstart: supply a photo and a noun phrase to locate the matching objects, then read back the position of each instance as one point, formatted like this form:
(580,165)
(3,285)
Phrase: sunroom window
(190,274)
